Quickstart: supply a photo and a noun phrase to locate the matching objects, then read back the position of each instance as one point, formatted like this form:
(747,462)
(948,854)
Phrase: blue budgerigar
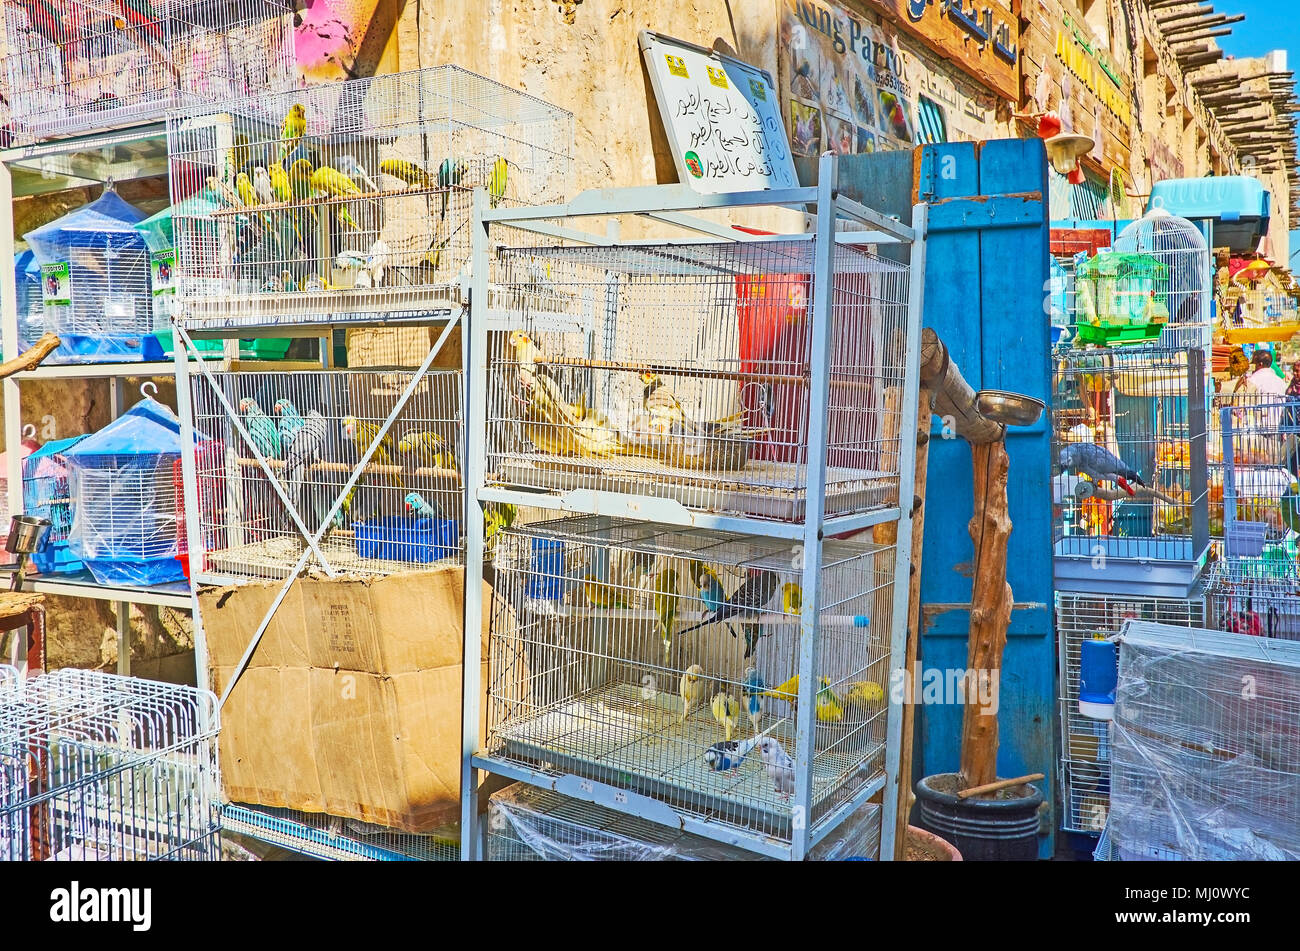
(261,428)
(749,598)
(418,504)
(290,421)
(727,755)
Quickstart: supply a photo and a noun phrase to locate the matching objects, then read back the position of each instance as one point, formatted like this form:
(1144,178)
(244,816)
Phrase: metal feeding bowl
(28,534)
(1009,409)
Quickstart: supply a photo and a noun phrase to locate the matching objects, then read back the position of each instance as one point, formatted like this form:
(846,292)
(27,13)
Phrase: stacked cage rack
(351,200)
(1206,748)
(306,432)
(95,767)
(1085,742)
(1130,493)
(1255,467)
(689,649)
(1253,597)
(72,66)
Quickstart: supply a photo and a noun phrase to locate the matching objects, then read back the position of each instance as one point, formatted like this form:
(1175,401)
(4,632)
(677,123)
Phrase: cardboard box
(401,347)
(351,703)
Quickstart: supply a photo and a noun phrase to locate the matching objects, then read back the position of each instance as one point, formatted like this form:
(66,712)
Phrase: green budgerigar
(426,449)
(666,599)
(261,428)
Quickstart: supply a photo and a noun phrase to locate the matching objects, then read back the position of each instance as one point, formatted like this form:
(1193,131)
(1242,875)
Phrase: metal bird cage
(1206,746)
(352,199)
(1245,307)
(329,838)
(528,824)
(73,66)
(210,461)
(1182,258)
(1129,487)
(682,371)
(1085,742)
(585,681)
(123,502)
(1257,598)
(95,282)
(95,767)
(11,683)
(311,429)
(1255,479)
(47,494)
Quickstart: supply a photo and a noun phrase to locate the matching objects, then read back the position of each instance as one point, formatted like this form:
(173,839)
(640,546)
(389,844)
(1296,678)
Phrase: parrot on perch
(1100,465)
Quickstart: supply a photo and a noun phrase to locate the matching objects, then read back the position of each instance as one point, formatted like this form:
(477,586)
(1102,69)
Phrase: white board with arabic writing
(722,117)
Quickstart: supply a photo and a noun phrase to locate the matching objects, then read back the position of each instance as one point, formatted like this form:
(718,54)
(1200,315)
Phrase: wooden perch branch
(30,358)
(953,396)
(990,528)
(1119,495)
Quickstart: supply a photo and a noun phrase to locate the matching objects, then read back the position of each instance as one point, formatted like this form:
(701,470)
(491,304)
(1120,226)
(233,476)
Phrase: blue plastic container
(1238,204)
(446,538)
(1098,675)
(57,560)
(547,581)
(395,539)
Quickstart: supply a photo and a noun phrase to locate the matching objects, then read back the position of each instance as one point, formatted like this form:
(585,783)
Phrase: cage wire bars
(74,66)
(351,200)
(653,463)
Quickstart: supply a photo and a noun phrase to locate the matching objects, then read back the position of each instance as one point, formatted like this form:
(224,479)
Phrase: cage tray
(1277,332)
(614,735)
(274,557)
(1114,336)
(255,309)
(764,493)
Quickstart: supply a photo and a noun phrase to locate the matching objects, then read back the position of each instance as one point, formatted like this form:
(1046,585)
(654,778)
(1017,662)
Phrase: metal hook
(29,431)
(148,389)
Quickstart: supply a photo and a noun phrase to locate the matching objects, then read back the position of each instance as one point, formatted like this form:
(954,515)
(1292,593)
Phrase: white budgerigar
(779,766)
(262,186)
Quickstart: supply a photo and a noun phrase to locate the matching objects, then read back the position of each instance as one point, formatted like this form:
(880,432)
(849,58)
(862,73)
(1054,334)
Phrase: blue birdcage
(46,495)
(95,281)
(124,514)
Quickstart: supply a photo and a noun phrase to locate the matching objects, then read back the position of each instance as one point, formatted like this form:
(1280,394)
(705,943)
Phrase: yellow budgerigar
(829,707)
(295,126)
(788,691)
(666,598)
(244,189)
(726,710)
(334,183)
(405,171)
(862,693)
(497,182)
(279,182)
(791,598)
(691,688)
(300,173)
(601,595)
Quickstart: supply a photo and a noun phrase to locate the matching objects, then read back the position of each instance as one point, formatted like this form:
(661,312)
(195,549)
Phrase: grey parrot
(1099,464)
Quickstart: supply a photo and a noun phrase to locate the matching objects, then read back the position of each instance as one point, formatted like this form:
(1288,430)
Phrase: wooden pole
(905,794)
(991,600)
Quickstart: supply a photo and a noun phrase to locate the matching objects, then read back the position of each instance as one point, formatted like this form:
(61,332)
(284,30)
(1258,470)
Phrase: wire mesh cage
(683,372)
(1258,307)
(72,66)
(1129,461)
(334,839)
(1254,457)
(1085,742)
(11,683)
(47,494)
(1255,597)
(1179,271)
(636,653)
(528,824)
(95,281)
(311,429)
(352,199)
(123,501)
(95,767)
(1206,746)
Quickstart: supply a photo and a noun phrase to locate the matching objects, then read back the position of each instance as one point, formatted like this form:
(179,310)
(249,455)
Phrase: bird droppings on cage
(307,431)
(352,199)
(665,659)
(682,371)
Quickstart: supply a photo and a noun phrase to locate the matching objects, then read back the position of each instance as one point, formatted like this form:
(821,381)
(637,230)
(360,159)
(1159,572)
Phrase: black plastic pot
(1000,830)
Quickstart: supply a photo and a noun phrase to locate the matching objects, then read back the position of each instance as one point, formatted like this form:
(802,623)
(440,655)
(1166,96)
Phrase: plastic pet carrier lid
(107,214)
(41,464)
(1227,197)
(26,266)
(147,428)
(157,230)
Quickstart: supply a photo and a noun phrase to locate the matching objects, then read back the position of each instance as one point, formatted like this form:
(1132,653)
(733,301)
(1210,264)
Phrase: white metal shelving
(118,155)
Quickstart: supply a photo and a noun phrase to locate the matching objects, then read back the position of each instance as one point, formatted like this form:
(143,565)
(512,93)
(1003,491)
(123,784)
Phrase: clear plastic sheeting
(529,824)
(123,499)
(1205,746)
